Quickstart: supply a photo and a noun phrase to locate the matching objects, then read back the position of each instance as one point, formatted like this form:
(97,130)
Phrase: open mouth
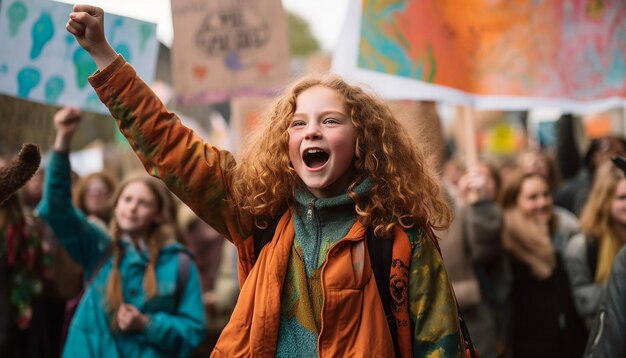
(315,158)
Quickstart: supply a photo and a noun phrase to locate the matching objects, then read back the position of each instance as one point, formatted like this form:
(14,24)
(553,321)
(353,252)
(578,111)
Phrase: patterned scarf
(24,255)
(529,242)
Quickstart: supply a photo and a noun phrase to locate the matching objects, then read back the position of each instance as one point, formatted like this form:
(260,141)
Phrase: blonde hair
(160,233)
(404,190)
(596,221)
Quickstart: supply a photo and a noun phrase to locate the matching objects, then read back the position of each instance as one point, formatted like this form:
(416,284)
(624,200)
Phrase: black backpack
(381,255)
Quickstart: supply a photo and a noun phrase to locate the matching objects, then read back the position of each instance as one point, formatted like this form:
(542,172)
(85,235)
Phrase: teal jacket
(172,331)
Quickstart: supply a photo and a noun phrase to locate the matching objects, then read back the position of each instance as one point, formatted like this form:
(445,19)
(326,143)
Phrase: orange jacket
(351,302)
(352,313)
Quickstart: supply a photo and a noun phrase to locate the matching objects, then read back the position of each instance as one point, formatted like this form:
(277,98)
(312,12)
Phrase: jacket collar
(304,197)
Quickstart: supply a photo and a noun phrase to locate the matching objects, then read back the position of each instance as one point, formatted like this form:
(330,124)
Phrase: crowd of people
(270,256)
(534,274)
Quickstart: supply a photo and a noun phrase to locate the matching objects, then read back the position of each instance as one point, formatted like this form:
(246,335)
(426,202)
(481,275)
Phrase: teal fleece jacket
(172,331)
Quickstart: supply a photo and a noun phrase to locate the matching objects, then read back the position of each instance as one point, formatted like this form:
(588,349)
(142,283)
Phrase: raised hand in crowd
(476,185)
(86,23)
(66,122)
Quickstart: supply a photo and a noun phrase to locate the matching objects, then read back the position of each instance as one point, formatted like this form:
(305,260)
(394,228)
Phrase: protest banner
(227,48)
(507,55)
(42,62)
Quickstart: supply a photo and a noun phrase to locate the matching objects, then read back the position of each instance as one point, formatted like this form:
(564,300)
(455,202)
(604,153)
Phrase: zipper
(328,255)
(312,219)
(310,210)
(319,336)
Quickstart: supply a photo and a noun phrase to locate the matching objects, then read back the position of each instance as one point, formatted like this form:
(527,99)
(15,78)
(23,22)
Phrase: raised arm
(86,23)
(194,170)
(66,123)
(481,216)
(85,241)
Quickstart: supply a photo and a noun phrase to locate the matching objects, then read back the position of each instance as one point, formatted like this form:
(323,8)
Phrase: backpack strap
(184,261)
(263,236)
(381,255)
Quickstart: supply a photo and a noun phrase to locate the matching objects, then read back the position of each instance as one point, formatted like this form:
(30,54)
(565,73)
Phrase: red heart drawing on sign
(200,71)
(264,67)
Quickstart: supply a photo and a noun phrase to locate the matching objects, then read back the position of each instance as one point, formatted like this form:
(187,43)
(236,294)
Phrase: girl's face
(97,193)
(136,209)
(535,200)
(322,141)
(618,204)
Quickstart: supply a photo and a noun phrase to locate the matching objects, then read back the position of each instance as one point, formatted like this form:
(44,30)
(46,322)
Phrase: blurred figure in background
(23,264)
(536,161)
(573,194)
(473,257)
(64,277)
(143,300)
(216,258)
(607,337)
(31,192)
(92,195)
(544,321)
(60,279)
(453,170)
(589,256)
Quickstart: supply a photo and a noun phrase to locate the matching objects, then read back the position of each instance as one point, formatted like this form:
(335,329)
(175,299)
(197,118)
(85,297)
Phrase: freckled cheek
(346,149)
(294,151)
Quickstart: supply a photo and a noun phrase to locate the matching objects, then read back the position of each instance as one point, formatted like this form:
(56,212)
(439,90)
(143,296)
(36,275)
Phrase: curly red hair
(404,190)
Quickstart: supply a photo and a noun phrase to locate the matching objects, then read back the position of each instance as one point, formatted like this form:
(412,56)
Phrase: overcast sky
(325,17)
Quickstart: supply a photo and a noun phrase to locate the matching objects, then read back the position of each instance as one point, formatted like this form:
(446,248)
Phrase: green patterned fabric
(319,223)
(433,311)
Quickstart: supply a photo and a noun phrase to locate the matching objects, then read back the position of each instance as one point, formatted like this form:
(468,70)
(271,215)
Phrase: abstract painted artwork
(517,53)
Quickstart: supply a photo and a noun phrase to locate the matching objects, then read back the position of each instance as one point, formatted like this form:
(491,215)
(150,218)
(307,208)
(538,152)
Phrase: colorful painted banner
(492,54)
(40,61)
(225,48)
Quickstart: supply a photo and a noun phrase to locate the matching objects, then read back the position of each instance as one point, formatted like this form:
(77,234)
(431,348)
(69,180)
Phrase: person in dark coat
(544,321)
